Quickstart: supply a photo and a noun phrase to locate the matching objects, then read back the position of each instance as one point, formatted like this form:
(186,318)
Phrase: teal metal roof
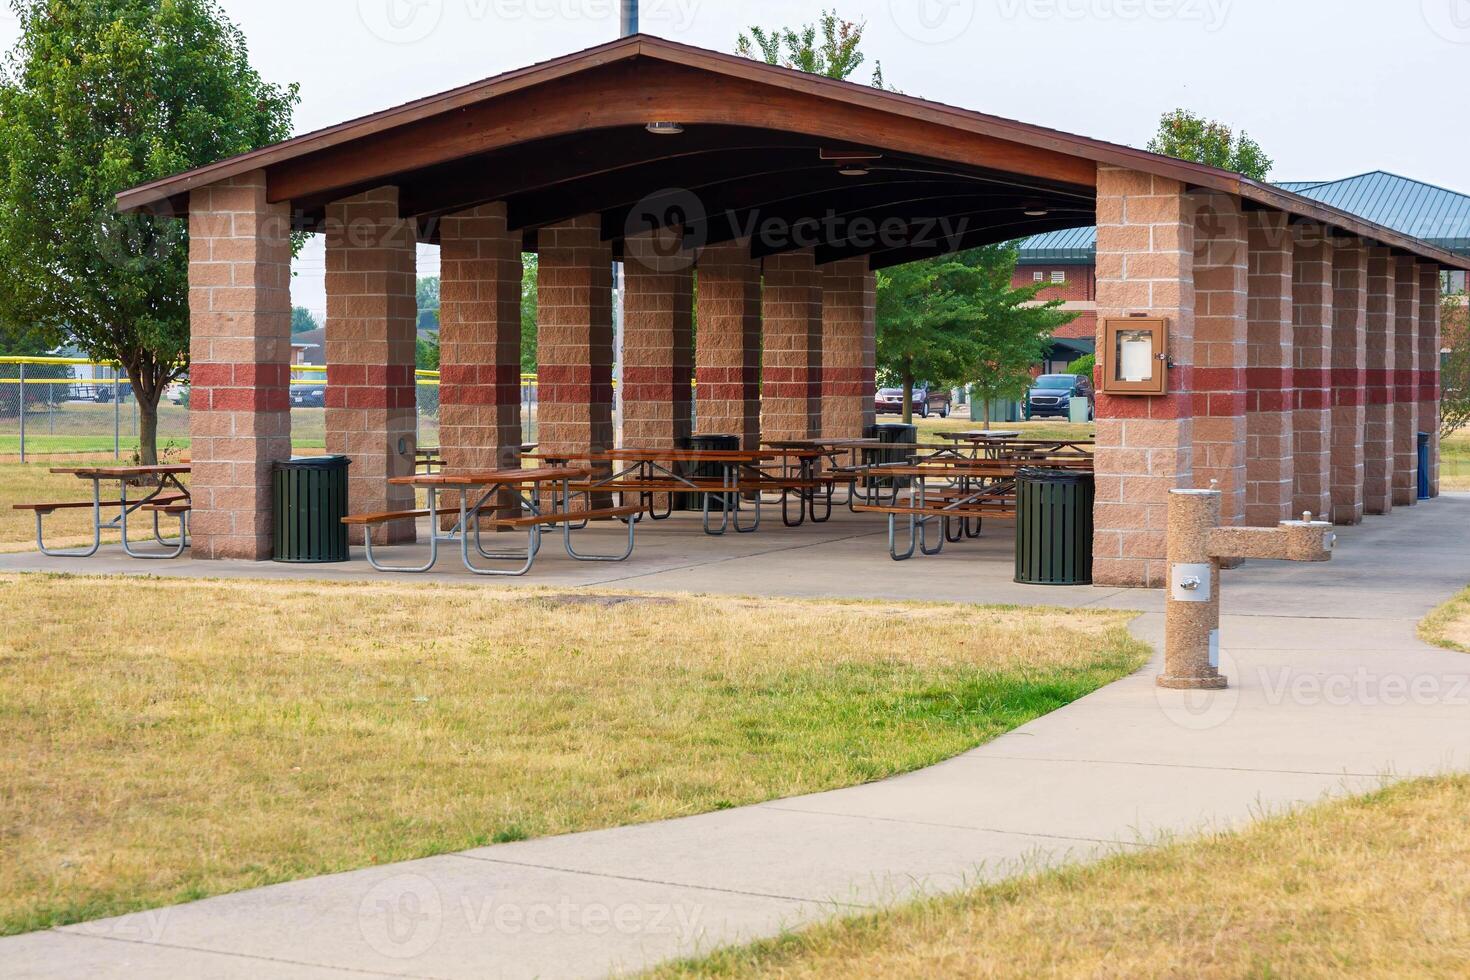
(1433,214)
(1074,246)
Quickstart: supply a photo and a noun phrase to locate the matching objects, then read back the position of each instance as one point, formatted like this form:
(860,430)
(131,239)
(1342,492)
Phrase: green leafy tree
(831,47)
(302,320)
(1454,405)
(428,303)
(1084,366)
(98,96)
(957,319)
(1186,136)
(529,306)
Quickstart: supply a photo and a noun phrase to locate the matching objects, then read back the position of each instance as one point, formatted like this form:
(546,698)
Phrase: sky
(1330,88)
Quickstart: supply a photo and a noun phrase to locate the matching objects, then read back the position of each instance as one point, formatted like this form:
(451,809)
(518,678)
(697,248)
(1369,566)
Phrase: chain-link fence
(55,406)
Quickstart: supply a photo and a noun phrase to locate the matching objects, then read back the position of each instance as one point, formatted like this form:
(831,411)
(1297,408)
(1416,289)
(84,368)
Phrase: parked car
(927,401)
(309,396)
(1052,394)
(103,392)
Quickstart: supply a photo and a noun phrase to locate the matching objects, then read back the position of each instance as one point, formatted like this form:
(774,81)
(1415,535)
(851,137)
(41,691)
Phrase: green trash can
(702,470)
(900,433)
(310,496)
(1053,527)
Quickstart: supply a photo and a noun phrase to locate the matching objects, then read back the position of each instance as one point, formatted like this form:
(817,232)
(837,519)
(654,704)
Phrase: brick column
(791,366)
(1270,401)
(240,352)
(1378,448)
(1145,264)
(1405,394)
(1220,282)
(1311,295)
(1429,351)
(849,307)
(575,338)
(1349,319)
(728,355)
(658,356)
(370,333)
(479,341)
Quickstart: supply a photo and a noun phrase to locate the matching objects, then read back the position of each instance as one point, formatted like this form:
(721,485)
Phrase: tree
(428,303)
(302,320)
(98,96)
(838,54)
(529,305)
(1185,136)
(1454,405)
(957,319)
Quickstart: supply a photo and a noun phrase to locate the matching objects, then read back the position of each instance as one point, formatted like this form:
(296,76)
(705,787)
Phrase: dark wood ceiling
(780,190)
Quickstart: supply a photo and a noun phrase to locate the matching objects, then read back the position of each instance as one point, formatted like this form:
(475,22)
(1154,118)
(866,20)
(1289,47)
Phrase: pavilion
(1304,340)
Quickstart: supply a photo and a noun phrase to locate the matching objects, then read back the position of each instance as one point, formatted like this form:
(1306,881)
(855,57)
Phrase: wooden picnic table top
(121,472)
(961,468)
(671,455)
(981,435)
(489,478)
(826,444)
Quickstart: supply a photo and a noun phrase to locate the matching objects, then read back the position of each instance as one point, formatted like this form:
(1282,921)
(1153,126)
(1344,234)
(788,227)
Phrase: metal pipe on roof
(630,17)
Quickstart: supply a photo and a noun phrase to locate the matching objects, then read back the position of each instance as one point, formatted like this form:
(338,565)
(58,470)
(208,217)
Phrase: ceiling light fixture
(664,128)
(1036,212)
(853,170)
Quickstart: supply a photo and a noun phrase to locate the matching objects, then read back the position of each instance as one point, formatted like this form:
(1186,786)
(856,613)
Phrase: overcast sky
(1330,88)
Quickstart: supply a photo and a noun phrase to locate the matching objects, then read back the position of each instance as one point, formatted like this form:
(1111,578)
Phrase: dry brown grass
(1449,625)
(166,740)
(1372,887)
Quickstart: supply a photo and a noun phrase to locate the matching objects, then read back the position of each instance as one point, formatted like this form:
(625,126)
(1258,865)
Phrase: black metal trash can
(310,496)
(897,432)
(1054,527)
(706,470)
(1423,466)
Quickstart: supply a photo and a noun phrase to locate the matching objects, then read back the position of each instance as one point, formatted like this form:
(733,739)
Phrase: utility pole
(630,17)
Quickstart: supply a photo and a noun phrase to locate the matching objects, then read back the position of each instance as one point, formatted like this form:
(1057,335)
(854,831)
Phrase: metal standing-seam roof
(1410,207)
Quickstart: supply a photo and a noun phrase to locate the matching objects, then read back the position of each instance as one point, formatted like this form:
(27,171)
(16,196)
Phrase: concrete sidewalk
(1332,694)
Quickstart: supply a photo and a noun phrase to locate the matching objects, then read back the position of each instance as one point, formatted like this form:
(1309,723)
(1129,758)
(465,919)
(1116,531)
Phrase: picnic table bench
(980,490)
(167,496)
(482,503)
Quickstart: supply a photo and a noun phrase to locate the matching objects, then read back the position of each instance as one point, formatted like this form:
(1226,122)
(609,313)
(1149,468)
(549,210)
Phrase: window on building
(1038,277)
(1058,276)
(1454,281)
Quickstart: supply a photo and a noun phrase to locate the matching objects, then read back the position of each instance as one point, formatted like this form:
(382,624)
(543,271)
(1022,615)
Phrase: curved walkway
(1332,694)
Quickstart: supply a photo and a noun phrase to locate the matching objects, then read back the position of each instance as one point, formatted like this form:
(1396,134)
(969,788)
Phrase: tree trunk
(908,396)
(986,414)
(147,428)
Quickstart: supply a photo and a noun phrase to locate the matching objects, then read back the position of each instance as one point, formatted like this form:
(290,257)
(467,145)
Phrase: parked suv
(1052,394)
(927,401)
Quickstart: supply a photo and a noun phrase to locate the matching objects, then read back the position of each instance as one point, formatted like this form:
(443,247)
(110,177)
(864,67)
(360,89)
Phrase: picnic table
(165,494)
(508,499)
(732,478)
(970,494)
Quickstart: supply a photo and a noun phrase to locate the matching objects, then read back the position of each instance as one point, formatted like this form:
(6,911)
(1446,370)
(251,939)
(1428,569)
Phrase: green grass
(231,734)
(1377,886)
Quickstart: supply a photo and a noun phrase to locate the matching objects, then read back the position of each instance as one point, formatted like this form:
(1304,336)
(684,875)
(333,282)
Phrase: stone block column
(1430,345)
(370,333)
(1270,339)
(1145,446)
(791,366)
(728,346)
(240,355)
(1349,321)
(575,338)
(658,336)
(1221,290)
(1311,294)
(479,341)
(1405,394)
(1378,449)
(849,352)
